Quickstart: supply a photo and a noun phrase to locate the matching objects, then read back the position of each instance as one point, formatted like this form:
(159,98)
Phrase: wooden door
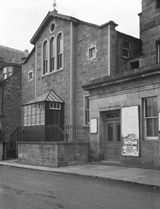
(112,140)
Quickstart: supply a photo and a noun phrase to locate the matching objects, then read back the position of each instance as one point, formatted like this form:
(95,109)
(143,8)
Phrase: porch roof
(49,96)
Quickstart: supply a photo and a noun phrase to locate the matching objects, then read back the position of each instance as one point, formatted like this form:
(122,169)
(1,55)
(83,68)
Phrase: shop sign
(130,131)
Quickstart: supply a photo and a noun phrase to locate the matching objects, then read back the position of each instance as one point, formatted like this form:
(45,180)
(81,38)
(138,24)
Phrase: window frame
(30,116)
(8,73)
(45,60)
(54,54)
(92,47)
(60,51)
(145,118)
(30,72)
(158,51)
(127,49)
(86,111)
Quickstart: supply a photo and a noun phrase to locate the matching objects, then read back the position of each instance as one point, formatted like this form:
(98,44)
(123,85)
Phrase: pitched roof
(49,96)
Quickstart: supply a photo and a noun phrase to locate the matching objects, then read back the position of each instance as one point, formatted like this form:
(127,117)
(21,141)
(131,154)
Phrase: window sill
(55,71)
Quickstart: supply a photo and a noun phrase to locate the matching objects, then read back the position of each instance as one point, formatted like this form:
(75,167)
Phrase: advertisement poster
(130,131)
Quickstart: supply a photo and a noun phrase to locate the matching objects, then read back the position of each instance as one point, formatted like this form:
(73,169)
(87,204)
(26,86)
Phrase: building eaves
(120,78)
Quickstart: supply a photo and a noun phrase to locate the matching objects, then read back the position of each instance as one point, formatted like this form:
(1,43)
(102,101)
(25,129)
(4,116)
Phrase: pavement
(149,177)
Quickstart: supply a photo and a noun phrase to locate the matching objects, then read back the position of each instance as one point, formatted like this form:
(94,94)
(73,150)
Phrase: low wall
(1,151)
(53,154)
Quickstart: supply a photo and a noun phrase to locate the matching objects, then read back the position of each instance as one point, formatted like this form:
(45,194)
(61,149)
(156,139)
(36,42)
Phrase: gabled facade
(69,53)
(125,108)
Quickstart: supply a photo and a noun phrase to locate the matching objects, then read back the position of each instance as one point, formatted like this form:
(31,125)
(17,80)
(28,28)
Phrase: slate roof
(49,96)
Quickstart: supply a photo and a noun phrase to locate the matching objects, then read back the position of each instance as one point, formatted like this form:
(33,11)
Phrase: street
(30,189)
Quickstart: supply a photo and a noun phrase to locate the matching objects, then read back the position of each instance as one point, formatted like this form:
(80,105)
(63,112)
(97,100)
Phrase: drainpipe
(109,49)
(71,73)
(35,74)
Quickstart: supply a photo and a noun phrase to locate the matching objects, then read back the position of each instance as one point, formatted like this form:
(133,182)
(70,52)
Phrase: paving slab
(143,176)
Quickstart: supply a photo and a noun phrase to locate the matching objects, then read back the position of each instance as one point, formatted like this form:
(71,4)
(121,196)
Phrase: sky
(19,19)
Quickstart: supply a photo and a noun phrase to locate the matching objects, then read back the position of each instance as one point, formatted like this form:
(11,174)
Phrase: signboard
(93,126)
(130,131)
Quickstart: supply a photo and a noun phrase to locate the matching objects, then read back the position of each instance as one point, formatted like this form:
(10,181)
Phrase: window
(7,72)
(59,51)
(34,114)
(92,51)
(158,52)
(151,118)
(54,106)
(52,54)
(52,27)
(30,75)
(45,57)
(134,65)
(86,110)
(126,49)
(157,4)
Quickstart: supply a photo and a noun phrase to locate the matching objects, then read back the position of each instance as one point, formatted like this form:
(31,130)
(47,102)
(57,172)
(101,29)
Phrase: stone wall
(53,154)
(12,100)
(1,151)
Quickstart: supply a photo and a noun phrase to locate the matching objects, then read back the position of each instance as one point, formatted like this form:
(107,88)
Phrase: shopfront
(126,110)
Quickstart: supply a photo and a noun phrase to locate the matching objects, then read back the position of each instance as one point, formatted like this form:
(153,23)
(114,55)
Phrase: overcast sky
(19,19)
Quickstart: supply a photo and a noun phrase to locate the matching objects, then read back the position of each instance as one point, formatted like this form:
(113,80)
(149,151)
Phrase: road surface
(30,189)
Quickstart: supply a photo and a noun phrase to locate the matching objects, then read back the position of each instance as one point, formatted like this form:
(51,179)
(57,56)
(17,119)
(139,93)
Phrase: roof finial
(54,6)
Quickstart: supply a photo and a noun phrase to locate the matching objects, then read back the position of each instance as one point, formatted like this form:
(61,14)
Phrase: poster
(130,131)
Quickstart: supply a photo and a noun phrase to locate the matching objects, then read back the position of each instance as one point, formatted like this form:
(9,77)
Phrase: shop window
(151,118)
(134,65)
(30,75)
(34,114)
(7,72)
(126,49)
(86,110)
(52,54)
(59,51)
(45,57)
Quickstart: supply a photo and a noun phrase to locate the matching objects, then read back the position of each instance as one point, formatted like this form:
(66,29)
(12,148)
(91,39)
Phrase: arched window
(52,54)
(45,57)
(59,51)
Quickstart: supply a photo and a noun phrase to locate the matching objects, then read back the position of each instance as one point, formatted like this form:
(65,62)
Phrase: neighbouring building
(10,89)
(125,106)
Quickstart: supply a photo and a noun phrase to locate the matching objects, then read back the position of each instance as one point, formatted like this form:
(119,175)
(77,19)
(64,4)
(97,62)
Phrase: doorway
(112,134)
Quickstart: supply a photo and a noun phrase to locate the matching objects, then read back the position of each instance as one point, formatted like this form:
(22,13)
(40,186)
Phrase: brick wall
(52,154)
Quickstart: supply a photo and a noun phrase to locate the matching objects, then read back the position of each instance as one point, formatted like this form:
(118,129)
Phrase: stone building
(10,89)
(125,106)
(67,54)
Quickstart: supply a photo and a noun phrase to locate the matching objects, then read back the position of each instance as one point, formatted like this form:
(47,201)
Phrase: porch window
(151,118)
(34,114)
